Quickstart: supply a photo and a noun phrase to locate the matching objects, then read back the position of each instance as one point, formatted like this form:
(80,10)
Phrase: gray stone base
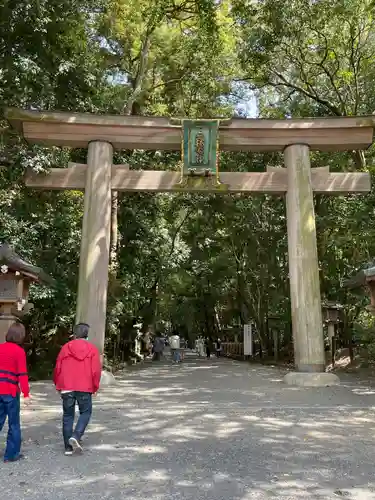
(304,379)
(107,379)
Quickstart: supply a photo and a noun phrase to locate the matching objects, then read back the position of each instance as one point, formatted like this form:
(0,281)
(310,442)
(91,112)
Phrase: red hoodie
(13,370)
(78,367)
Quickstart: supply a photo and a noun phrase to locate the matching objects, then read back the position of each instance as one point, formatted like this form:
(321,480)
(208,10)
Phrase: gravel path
(203,430)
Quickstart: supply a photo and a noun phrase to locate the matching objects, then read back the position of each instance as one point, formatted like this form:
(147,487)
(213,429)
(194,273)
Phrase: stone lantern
(331,317)
(16,275)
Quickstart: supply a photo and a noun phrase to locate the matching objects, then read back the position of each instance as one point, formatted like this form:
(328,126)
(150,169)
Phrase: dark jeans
(208,352)
(10,407)
(157,356)
(69,399)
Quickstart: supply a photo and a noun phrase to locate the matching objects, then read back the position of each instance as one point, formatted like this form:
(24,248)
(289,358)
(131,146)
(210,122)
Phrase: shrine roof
(161,133)
(14,262)
(361,278)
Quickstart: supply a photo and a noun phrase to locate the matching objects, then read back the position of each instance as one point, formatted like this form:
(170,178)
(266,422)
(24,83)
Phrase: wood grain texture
(94,256)
(303,263)
(17,115)
(274,181)
(135,132)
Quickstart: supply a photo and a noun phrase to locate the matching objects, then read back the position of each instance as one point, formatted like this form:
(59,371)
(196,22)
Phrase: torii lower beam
(274,181)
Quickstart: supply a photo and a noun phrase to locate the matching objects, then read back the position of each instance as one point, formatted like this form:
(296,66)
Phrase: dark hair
(81,331)
(16,333)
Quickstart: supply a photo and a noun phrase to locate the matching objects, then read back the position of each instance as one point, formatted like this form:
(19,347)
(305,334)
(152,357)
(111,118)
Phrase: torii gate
(102,134)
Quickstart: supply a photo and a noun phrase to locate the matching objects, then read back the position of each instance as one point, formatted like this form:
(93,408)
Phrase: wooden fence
(232,349)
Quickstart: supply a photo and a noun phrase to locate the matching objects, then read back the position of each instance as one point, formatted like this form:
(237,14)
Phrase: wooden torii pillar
(100,134)
(95,241)
(303,263)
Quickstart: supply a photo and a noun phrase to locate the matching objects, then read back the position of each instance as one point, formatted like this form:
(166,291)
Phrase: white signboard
(247,340)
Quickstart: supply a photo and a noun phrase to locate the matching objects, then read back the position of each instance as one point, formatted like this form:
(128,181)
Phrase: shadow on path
(203,430)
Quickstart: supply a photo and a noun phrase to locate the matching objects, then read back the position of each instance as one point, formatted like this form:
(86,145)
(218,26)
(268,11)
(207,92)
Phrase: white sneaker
(75,444)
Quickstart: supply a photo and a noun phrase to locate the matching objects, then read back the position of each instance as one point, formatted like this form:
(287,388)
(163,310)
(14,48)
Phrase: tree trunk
(128,110)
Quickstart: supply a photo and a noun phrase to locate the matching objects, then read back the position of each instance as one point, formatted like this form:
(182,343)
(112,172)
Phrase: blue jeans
(176,356)
(10,407)
(69,399)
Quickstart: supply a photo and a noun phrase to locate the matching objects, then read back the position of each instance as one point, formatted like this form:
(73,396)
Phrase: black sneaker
(75,444)
(68,452)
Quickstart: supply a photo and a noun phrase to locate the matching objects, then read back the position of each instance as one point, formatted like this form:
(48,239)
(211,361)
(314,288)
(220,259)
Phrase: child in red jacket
(77,377)
(13,380)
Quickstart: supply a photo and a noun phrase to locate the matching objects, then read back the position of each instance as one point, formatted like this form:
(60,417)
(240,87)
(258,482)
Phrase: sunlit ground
(203,430)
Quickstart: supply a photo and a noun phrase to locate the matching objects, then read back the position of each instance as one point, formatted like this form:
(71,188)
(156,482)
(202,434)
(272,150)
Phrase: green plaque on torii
(200,149)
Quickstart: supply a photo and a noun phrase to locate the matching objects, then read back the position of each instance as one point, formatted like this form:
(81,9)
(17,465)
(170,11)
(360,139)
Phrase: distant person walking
(207,344)
(13,380)
(158,348)
(174,342)
(201,346)
(77,377)
(218,348)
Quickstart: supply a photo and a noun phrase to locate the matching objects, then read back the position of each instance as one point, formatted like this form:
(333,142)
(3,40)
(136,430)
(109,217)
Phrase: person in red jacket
(13,380)
(77,377)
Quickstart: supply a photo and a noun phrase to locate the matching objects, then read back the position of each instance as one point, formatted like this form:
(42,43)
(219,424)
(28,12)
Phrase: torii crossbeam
(273,181)
(101,134)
